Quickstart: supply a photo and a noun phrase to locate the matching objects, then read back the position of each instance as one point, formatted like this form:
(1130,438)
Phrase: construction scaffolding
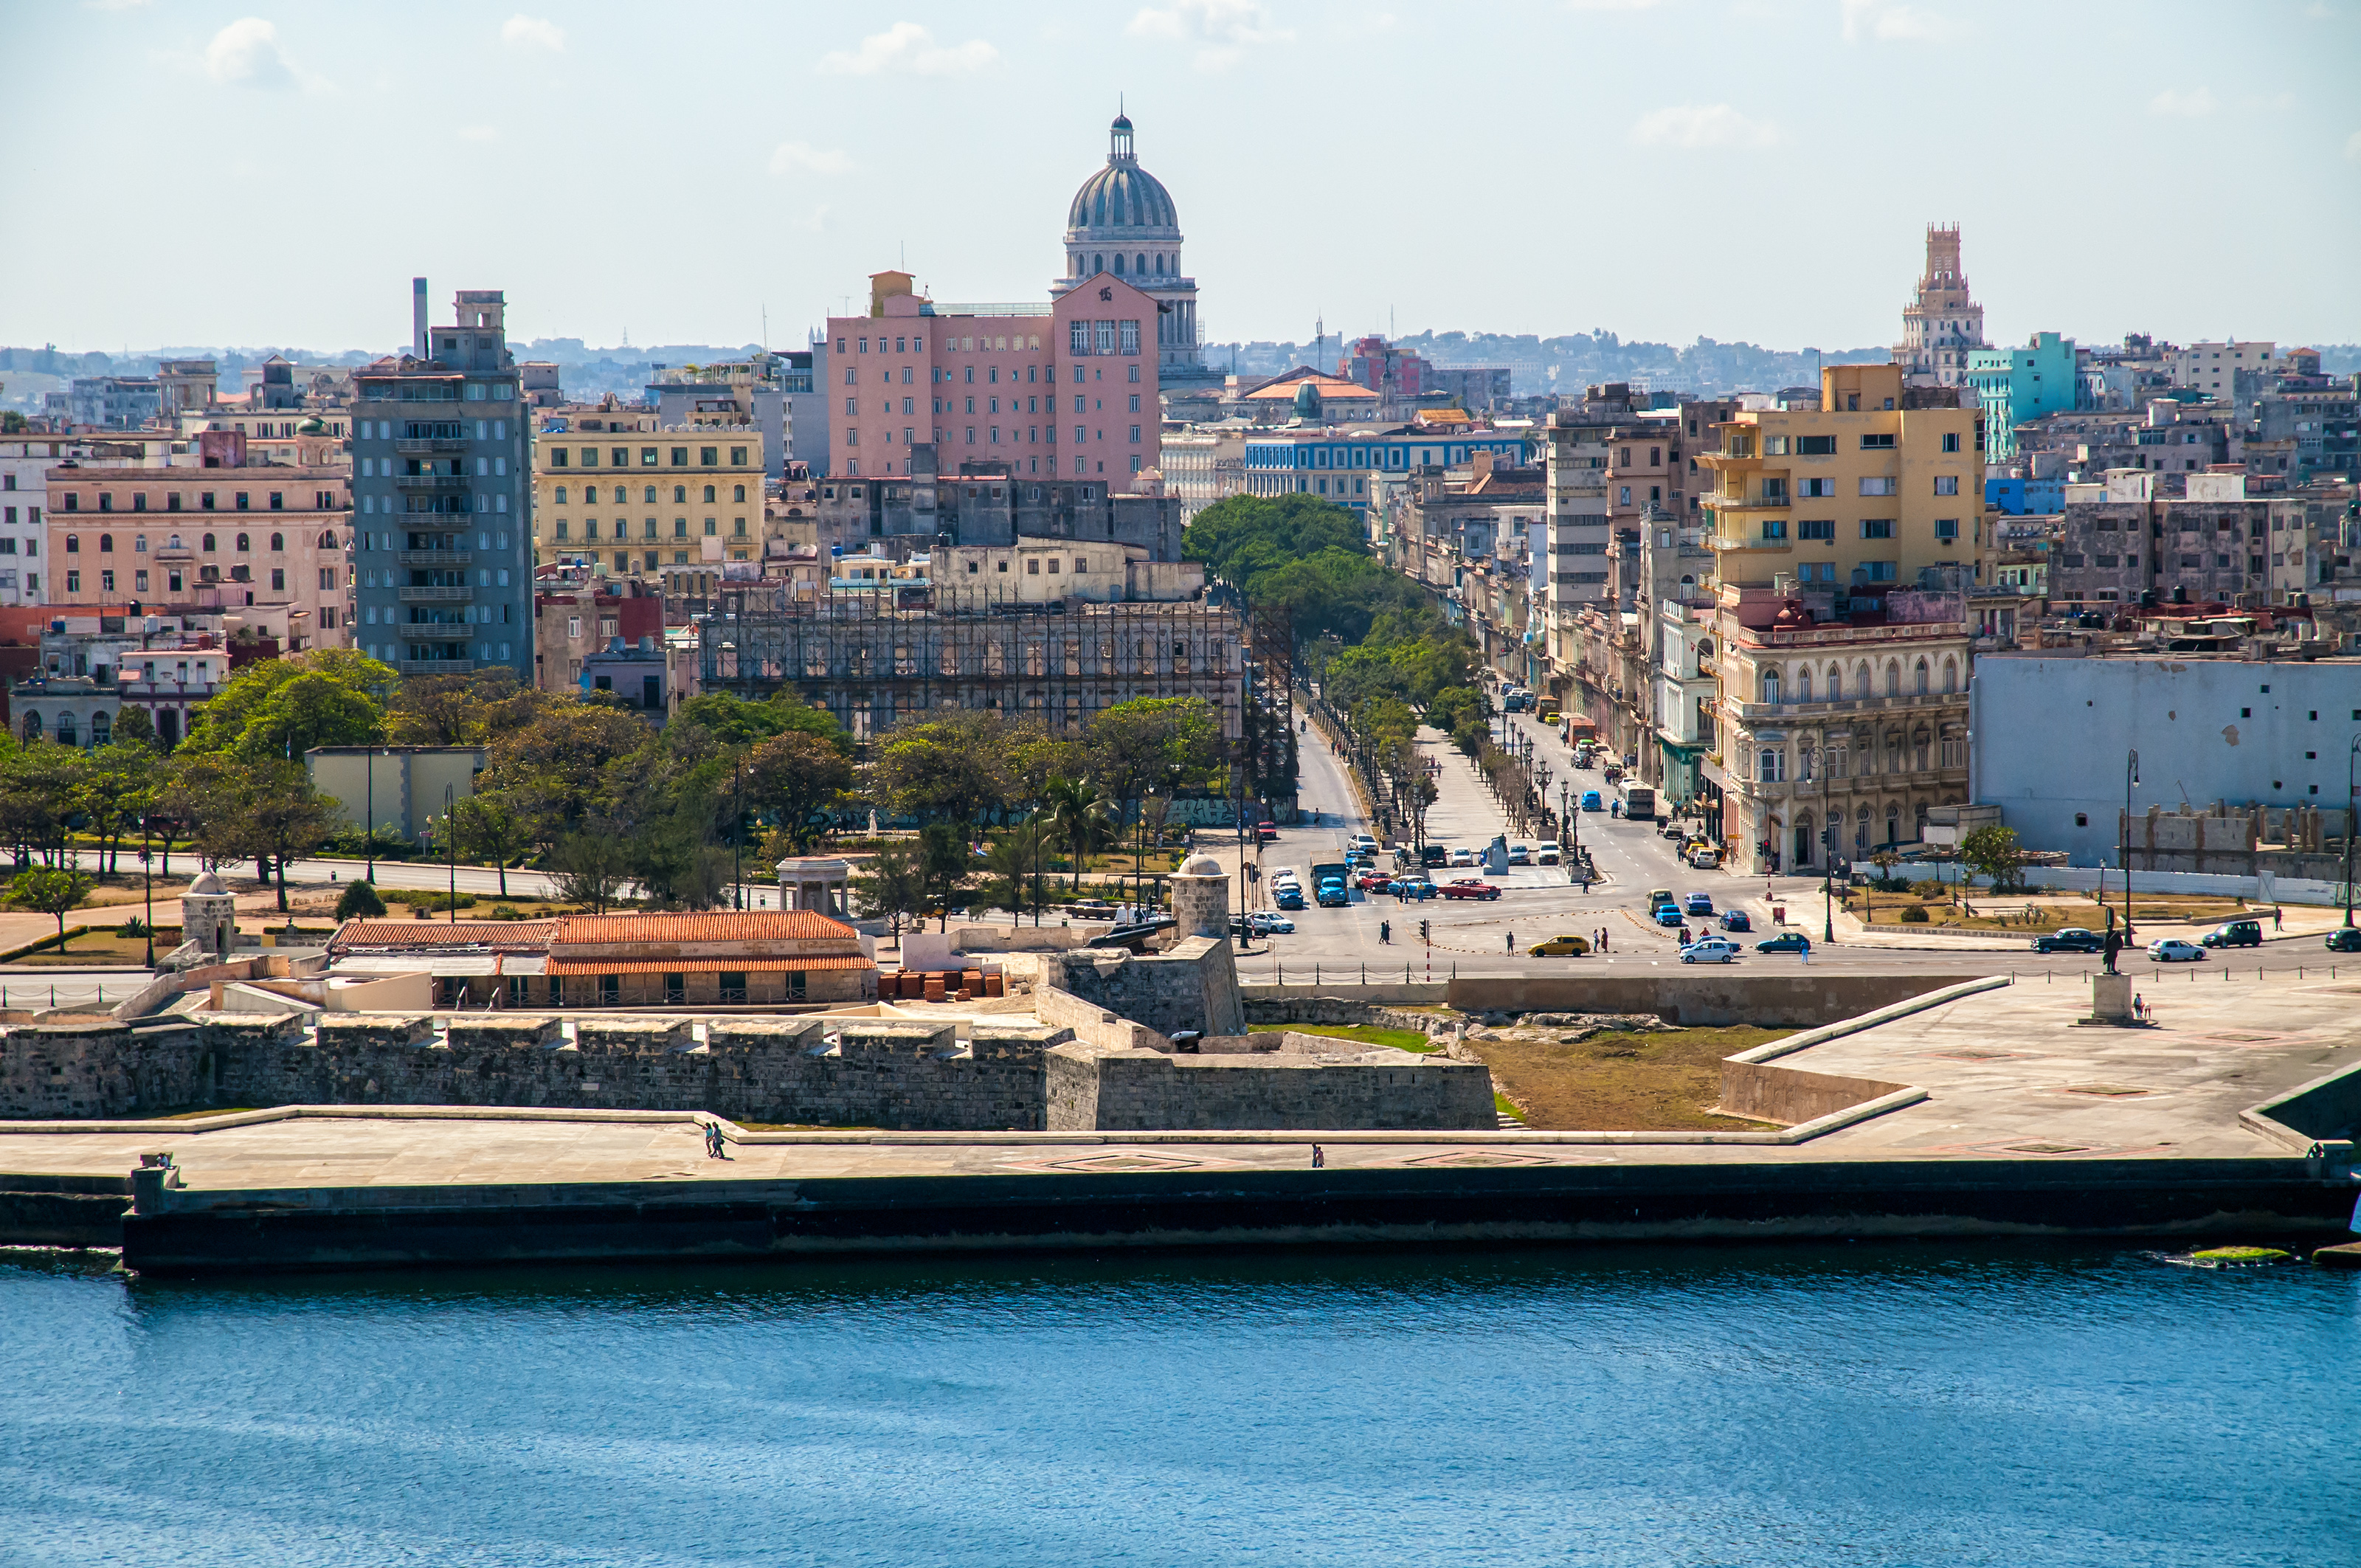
(1269,718)
(876,655)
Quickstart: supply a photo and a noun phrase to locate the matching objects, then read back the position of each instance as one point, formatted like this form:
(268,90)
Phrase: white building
(2053,738)
(2212,368)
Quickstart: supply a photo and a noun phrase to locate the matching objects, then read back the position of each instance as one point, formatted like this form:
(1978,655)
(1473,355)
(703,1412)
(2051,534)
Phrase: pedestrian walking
(1512,942)
(1319,1157)
(2139,1007)
(1385,931)
(2275,920)
(1807,952)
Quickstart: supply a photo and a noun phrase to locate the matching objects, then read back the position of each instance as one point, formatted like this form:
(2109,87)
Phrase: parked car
(1673,830)
(1669,914)
(2344,940)
(1521,854)
(1784,942)
(1736,920)
(2235,934)
(1266,923)
(1545,852)
(2070,940)
(1592,802)
(1709,950)
(1560,947)
(1704,858)
(1699,903)
(1470,887)
(1462,858)
(2173,950)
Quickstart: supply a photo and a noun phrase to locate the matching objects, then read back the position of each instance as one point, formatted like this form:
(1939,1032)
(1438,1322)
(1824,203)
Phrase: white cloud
(2184,105)
(480,133)
(522,31)
(246,54)
(793,156)
(906,46)
(2353,147)
(1702,125)
(1223,30)
(1890,22)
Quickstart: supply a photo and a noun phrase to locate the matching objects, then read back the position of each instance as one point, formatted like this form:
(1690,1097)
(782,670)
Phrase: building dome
(1121,200)
(206,884)
(1201,865)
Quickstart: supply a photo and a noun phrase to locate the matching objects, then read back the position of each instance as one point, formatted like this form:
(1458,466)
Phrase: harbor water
(1864,1405)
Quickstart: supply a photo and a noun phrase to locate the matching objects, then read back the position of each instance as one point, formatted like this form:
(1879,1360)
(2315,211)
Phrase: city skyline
(1439,213)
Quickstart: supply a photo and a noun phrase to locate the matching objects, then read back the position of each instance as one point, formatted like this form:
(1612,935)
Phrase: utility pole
(451,832)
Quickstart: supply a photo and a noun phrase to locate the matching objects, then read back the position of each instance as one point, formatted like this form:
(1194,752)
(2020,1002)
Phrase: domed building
(1123,221)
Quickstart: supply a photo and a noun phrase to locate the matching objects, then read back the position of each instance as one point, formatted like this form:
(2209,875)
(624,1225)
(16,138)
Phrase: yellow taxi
(1560,947)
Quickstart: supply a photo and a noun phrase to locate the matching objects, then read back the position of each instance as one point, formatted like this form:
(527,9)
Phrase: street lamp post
(738,836)
(2130,777)
(451,832)
(1827,851)
(148,877)
(369,810)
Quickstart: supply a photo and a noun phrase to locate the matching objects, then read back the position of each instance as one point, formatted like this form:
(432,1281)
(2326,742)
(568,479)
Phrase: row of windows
(208,574)
(1833,689)
(648,495)
(432,429)
(242,543)
(1947,529)
(242,500)
(1033,433)
(1901,755)
(620,457)
(623,526)
(954,345)
(1292,455)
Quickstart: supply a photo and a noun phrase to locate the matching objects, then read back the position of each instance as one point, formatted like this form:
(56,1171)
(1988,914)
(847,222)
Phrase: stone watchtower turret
(1200,898)
(209,916)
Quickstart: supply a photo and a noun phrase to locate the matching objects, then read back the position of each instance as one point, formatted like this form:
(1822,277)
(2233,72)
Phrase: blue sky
(189,172)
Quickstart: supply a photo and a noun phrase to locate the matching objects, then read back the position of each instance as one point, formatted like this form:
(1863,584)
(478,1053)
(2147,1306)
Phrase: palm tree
(1078,816)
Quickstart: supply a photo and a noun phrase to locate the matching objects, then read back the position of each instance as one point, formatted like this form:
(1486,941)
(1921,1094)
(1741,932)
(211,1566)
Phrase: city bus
(1639,800)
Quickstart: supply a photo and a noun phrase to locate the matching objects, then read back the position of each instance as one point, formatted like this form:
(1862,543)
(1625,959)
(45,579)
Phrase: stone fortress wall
(905,1074)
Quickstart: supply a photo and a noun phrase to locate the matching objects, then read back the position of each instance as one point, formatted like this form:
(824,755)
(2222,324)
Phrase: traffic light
(1424,928)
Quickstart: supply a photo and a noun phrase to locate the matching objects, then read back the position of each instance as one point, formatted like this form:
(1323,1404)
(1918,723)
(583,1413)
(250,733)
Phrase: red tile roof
(706,966)
(374,933)
(750,926)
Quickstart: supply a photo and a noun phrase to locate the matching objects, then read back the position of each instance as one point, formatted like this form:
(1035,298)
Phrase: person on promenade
(1319,1157)
(2275,920)
(1513,940)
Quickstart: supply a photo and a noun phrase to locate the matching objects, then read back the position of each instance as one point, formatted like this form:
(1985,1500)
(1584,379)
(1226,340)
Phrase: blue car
(1700,903)
(1736,920)
(1669,914)
(1590,801)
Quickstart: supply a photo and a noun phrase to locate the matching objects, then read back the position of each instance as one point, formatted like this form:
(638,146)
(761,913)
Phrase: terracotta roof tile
(706,966)
(748,925)
(374,933)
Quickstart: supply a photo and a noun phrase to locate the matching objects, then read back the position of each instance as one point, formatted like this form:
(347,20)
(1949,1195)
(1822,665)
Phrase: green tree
(50,891)
(589,869)
(1992,850)
(893,883)
(1080,819)
(1013,866)
(360,902)
(944,863)
(318,714)
(739,723)
(948,769)
(1158,744)
(489,829)
(134,727)
(796,777)
(113,788)
(286,818)
(554,769)
(461,710)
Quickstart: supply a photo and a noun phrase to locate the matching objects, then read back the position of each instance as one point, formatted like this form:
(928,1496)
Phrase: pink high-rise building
(1066,388)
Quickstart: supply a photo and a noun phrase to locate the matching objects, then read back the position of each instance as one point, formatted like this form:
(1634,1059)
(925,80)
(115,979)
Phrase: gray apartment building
(442,498)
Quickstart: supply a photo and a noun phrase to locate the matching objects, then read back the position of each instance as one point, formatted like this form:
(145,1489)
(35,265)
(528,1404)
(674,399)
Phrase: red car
(1469,887)
(1374,881)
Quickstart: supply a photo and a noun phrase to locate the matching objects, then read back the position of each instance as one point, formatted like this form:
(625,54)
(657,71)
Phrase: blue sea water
(1917,1405)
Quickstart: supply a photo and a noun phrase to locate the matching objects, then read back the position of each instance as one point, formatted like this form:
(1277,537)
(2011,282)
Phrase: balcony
(1721,502)
(438,595)
(430,481)
(437,632)
(435,557)
(420,448)
(1844,707)
(434,666)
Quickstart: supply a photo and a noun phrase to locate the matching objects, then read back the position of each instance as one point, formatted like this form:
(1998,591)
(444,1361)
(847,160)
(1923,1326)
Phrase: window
(648,455)
(1947,484)
(1947,529)
(1877,442)
(1816,446)
(73,582)
(1950,441)
(1877,486)
(1774,528)
(707,456)
(1816,530)
(1819,489)
(1877,528)
(738,460)
(1771,765)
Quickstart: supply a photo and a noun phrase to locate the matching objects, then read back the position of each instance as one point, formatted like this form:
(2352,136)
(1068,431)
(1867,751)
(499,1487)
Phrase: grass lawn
(1371,1034)
(1654,1081)
(88,948)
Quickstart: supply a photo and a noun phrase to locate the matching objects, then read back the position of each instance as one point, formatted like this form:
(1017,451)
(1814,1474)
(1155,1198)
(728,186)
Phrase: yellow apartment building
(1876,484)
(615,487)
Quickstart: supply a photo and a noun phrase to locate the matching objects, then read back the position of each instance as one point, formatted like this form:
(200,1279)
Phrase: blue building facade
(2025,498)
(2020,384)
(1343,465)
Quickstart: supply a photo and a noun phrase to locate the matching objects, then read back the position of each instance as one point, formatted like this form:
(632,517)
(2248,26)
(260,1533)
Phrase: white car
(1363,843)
(1263,923)
(1709,950)
(1520,855)
(1545,854)
(2173,950)
(1283,876)
(1463,858)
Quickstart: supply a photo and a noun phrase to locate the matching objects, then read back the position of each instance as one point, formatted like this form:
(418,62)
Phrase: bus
(1639,800)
